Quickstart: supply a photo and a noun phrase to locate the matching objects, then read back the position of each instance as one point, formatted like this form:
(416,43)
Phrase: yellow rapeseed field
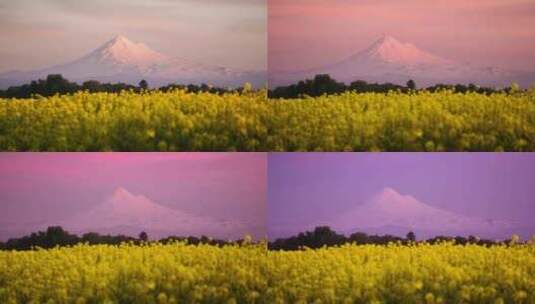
(422,121)
(182,121)
(155,273)
(180,273)
(128,121)
(423,273)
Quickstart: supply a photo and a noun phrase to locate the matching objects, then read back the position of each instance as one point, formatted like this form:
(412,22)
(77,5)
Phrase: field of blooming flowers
(181,273)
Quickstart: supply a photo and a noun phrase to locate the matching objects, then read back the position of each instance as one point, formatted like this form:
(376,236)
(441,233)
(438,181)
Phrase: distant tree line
(55,236)
(56,84)
(325,236)
(323,84)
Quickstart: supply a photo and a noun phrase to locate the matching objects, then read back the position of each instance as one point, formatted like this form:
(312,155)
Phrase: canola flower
(129,121)
(182,121)
(419,121)
(422,273)
(181,273)
(151,273)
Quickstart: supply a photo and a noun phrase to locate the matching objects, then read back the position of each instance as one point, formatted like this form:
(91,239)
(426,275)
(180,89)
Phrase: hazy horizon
(41,34)
(309,189)
(42,189)
(308,34)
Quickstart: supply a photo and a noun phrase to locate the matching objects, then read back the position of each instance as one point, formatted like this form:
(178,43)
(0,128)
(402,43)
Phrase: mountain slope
(121,60)
(388,50)
(125,213)
(389,60)
(391,212)
(121,51)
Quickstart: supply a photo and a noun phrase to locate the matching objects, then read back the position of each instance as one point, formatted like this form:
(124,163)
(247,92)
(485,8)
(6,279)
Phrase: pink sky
(41,33)
(310,33)
(37,187)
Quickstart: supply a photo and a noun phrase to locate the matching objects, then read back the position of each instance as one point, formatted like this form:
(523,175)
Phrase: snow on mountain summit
(390,50)
(392,212)
(120,50)
(123,212)
(390,60)
(389,198)
(122,60)
(122,202)
(119,59)
(120,193)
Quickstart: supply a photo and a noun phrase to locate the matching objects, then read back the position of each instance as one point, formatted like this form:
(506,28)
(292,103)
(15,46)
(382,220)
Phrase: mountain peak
(391,200)
(120,193)
(120,59)
(122,201)
(387,59)
(389,194)
(120,37)
(388,49)
(126,213)
(118,41)
(395,213)
(387,39)
(121,51)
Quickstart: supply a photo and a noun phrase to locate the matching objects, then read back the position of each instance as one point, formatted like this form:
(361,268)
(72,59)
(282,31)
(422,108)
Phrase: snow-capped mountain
(389,212)
(388,50)
(389,60)
(393,213)
(126,213)
(121,60)
(122,52)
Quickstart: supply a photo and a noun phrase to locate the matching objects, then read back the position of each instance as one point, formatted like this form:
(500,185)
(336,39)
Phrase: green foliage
(411,84)
(247,121)
(143,84)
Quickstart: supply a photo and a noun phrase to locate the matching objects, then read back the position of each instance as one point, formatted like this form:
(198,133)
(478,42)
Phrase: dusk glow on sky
(291,191)
(42,33)
(48,187)
(310,33)
(314,188)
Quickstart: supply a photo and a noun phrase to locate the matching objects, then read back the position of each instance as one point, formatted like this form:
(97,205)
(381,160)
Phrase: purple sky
(311,33)
(37,187)
(297,187)
(309,187)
